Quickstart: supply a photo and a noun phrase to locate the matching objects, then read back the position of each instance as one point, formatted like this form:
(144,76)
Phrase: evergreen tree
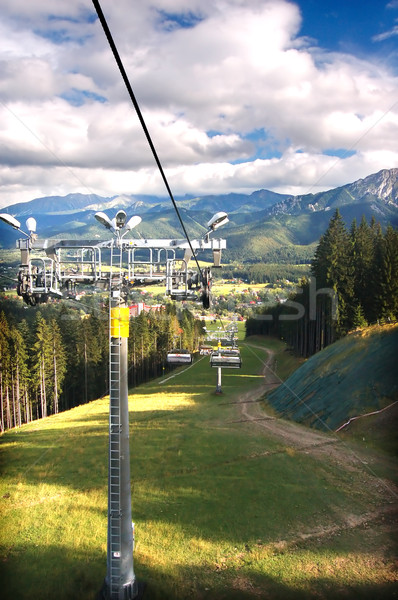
(386,275)
(69,323)
(25,371)
(332,267)
(359,319)
(19,376)
(92,350)
(5,373)
(58,365)
(363,251)
(42,361)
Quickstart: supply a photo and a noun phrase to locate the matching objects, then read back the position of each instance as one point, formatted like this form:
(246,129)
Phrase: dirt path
(329,447)
(291,433)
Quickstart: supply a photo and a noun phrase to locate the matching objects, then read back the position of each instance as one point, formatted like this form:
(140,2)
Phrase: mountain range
(264,226)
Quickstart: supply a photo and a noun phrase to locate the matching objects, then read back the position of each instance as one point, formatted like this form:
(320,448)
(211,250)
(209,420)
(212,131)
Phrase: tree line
(265,272)
(289,254)
(54,357)
(353,283)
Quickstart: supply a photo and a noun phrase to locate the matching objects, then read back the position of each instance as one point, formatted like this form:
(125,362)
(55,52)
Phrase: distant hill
(353,376)
(264,226)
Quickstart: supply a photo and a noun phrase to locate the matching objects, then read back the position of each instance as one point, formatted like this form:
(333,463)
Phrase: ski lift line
(141,119)
(304,403)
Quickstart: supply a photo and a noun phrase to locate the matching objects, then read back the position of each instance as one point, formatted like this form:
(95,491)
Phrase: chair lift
(226,358)
(179,357)
(37,281)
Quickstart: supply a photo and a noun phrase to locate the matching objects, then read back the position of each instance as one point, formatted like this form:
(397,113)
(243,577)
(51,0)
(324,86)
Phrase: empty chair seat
(178,357)
(227,359)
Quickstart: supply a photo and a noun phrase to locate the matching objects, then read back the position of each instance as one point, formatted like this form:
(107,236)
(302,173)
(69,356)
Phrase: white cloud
(206,91)
(386,34)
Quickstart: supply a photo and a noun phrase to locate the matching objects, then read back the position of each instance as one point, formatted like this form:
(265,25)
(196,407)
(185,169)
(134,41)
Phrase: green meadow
(221,510)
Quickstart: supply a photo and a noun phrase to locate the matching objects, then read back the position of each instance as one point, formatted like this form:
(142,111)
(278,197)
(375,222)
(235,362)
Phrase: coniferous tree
(333,268)
(58,366)
(386,275)
(5,373)
(92,351)
(359,319)
(69,322)
(377,284)
(19,375)
(25,372)
(42,361)
(363,251)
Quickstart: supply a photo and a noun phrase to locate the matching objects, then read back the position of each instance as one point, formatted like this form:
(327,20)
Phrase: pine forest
(353,283)
(54,357)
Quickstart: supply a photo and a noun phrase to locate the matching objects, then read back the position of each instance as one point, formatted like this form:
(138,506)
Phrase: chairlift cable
(142,121)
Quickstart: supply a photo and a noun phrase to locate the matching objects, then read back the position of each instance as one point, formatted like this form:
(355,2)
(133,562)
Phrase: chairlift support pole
(218,387)
(120,582)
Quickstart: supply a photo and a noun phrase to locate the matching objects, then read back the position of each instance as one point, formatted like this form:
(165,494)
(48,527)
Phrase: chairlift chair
(227,342)
(226,358)
(179,357)
(205,350)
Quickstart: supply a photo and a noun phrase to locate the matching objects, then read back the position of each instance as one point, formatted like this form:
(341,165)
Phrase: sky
(238,95)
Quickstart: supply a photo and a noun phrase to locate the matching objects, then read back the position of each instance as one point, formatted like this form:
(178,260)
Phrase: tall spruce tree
(42,361)
(69,322)
(58,366)
(5,373)
(19,376)
(92,351)
(363,251)
(385,278)
(26,375)
(333,268)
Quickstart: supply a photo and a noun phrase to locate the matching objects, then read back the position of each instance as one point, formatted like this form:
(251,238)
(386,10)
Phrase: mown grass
(220,510)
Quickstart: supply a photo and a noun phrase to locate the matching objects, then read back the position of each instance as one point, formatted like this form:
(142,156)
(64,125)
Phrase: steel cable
(142,121)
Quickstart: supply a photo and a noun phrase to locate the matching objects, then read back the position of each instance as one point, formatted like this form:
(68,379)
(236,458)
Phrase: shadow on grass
(255,586)
(59,573)
(50,573)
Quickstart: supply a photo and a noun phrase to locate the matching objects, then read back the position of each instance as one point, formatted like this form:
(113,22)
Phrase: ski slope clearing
(229,502)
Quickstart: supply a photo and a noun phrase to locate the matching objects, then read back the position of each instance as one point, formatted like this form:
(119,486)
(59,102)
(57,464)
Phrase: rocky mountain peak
(382,185)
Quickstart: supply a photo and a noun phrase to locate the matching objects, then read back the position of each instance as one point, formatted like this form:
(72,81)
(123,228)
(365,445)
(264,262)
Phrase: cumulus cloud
(235,100)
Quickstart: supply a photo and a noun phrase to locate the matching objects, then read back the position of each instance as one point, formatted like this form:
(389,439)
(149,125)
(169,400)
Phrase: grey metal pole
(218,387)
(120,582)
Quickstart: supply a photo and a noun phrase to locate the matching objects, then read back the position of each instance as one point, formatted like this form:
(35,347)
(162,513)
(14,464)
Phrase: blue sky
(352,26)
(292,96)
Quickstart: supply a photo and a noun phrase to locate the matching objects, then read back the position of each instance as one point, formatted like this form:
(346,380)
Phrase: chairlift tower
(68,263)
(218,386)
(120,581)
(224,357)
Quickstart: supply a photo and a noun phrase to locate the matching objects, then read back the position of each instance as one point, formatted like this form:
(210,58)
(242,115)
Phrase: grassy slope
(354,376)
(221,511)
